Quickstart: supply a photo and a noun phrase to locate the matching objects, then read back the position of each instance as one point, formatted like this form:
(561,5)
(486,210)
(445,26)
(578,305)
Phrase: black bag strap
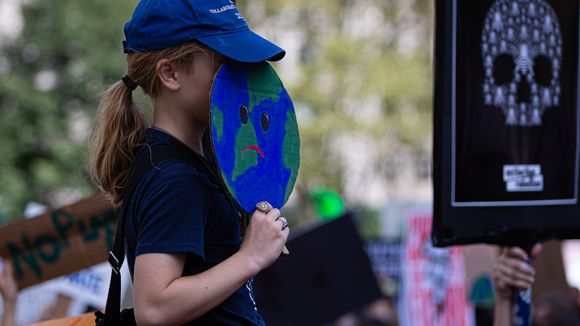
(173,151)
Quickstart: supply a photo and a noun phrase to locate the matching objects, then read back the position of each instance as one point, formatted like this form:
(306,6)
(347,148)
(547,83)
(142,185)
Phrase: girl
(183,243)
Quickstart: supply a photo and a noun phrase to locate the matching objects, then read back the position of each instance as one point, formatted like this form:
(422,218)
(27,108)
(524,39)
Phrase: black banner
(506,152)
(326,275)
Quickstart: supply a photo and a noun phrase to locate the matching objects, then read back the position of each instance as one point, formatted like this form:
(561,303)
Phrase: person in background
(9,292)
(511,273)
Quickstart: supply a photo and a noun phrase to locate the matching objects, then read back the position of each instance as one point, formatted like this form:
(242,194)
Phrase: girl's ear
(167,73)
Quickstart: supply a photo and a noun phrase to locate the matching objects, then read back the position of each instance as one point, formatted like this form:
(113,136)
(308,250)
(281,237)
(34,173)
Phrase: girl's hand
(512,271)
(265,237)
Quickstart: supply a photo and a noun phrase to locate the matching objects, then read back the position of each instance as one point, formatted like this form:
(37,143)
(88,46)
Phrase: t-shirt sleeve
(174,213)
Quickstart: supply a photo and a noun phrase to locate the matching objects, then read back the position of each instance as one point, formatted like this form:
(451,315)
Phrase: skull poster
(521,59)
(507,143)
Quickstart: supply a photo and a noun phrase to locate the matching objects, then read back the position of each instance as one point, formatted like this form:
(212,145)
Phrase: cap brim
(243,46)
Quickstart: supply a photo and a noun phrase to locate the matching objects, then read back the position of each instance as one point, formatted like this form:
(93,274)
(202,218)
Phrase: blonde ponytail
(120,127)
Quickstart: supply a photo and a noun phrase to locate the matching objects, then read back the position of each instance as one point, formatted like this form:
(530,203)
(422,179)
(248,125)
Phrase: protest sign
(60,241)
(506,121)
(254,134)
(433,279)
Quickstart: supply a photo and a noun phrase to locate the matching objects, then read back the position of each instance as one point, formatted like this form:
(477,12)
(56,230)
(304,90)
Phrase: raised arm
(9,292)
(510,273)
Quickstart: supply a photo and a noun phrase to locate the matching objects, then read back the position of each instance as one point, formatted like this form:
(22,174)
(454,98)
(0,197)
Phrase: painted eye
(244,114)
(265,121)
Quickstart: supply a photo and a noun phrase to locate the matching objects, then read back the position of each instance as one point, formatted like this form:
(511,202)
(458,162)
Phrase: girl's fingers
(274,214)
(282,222)
(263,207)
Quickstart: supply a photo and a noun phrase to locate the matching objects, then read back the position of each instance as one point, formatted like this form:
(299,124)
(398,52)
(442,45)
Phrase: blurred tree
(51,78)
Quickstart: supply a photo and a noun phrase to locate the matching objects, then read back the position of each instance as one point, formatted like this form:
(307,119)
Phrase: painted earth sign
(254,134)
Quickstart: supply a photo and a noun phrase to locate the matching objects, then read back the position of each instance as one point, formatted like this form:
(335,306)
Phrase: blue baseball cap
(158,24)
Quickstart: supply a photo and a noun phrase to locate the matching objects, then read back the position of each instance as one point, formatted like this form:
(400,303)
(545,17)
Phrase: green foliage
(58,67)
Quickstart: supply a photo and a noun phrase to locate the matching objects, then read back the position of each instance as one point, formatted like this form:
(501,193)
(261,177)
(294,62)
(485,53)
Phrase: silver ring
(284,222)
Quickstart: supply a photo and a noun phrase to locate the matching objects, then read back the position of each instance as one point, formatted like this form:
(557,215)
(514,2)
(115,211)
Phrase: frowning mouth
(254,148)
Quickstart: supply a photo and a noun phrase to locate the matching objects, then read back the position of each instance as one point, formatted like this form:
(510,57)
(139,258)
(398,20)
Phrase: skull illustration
(521,47)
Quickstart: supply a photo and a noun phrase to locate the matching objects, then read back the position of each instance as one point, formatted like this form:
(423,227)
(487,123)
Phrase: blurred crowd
(511,272)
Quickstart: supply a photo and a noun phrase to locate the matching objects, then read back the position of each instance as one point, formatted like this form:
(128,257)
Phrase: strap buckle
(114,262)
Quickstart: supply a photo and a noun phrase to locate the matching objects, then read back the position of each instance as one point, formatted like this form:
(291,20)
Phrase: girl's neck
(181,128)
(189,139)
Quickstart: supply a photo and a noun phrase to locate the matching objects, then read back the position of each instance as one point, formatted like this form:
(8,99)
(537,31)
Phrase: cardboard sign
(59,242)
(254,134)
(507,136)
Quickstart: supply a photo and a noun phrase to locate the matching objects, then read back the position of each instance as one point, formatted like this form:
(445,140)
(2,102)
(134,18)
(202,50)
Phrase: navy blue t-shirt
(176,208)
